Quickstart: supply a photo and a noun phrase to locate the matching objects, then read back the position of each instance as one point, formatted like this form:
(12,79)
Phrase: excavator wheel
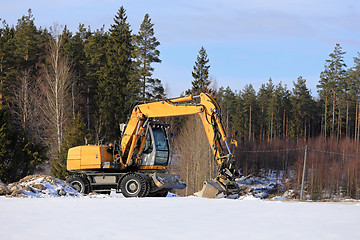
(134,185)
(79,183)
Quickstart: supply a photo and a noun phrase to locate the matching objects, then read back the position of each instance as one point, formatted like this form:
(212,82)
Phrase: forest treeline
(60,89)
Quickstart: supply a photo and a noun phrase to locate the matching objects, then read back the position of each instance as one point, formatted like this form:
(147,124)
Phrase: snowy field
(175,218)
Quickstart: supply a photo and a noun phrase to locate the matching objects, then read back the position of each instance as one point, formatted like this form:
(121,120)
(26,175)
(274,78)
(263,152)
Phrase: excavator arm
(209,112)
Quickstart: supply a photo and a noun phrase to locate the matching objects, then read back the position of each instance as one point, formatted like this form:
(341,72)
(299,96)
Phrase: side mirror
(122,127)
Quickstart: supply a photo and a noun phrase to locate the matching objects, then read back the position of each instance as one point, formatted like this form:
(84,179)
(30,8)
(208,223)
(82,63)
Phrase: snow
(115,217)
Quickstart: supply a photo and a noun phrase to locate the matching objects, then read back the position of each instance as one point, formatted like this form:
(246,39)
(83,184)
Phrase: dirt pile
(40,186)
(4,190)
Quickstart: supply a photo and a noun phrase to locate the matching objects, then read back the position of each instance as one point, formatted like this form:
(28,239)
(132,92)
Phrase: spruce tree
(118,87)
(19,157)
(73,47)
(201,82)
(301,113)
(75,134)
(26,48)
(7,61)
(147,53)
(95,55)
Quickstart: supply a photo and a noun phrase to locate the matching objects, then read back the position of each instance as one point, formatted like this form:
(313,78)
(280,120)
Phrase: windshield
(160,139)
(161,145)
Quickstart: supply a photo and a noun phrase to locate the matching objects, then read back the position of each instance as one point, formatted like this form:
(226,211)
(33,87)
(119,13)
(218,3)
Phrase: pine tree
(146,53)
(118,87)
(201,82)
(354,92)
(250,110)
(329,86)
(226,98)
(267,110)
(282,110)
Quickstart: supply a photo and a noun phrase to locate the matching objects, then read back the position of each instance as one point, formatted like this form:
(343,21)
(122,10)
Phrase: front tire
(133,185)
(79,183)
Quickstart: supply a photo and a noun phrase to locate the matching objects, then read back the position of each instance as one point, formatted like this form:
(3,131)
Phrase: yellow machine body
(88,157)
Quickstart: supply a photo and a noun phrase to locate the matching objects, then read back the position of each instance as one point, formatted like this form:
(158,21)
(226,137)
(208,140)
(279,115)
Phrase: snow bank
(41,186)
(175,218)
(259,187)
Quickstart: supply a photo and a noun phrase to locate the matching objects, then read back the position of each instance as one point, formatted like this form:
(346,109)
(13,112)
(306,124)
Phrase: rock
(17,193)
(29,189)
(4,190)
(13,187)
(39,187)
(61,192)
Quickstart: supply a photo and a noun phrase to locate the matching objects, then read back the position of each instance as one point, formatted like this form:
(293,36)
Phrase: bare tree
(56,89)
(25,106)
(22,99)
(195,162)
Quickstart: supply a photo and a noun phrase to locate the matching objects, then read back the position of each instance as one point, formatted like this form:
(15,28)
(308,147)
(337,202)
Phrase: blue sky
(246,41)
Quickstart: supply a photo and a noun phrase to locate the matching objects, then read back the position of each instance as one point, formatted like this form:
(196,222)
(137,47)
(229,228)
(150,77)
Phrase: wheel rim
(77,186)
(132,187)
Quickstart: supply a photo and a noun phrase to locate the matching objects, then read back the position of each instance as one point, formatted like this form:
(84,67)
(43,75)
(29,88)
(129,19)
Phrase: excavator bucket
(213,188)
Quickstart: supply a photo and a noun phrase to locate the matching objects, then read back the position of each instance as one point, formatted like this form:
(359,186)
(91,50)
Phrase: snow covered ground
(175,218)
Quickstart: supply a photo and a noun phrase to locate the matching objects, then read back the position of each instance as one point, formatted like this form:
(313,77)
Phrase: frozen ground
(175,218)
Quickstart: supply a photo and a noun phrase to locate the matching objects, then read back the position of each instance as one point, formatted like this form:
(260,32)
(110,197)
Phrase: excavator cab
(156,150)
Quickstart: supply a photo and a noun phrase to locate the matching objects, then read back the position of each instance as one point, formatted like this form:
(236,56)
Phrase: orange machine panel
(74,158)
(88,157)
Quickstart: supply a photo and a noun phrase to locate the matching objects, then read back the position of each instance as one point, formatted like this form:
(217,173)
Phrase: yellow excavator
(137,165)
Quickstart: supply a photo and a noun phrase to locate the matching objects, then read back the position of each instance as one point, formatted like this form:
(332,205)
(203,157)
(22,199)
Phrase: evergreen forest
(60,89)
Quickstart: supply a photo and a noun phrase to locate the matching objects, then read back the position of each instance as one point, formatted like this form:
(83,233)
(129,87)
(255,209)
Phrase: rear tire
(134,185)
(79,183)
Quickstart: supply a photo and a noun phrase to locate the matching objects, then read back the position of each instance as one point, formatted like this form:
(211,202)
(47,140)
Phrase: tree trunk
(88,107)
(347,119)
(333,115)
(339,125)
(250,124)
(1,81)
(358,122)
(356,119)
(325,117)
(58,93)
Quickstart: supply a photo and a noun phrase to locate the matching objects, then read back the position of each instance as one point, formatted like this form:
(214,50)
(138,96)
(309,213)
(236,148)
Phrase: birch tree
(57,91)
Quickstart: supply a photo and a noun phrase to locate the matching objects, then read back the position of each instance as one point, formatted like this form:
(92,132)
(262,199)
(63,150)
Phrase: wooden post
(303,175)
